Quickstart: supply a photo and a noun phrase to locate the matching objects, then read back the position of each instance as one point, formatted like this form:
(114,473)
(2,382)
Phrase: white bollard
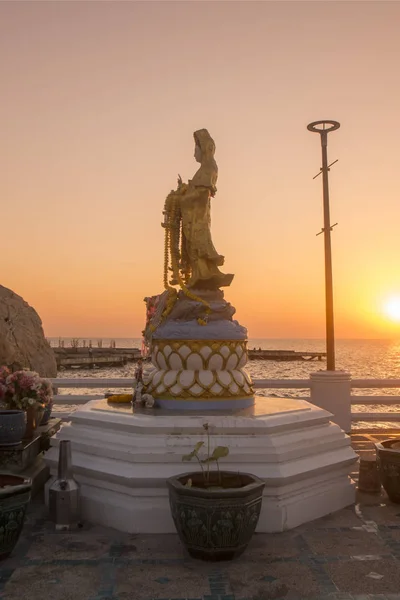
(331,390)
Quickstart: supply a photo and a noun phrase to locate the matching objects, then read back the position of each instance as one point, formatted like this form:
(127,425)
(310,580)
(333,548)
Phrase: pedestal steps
(122,461)
(137,447)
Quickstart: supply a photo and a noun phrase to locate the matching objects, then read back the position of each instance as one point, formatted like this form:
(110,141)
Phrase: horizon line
(136,337)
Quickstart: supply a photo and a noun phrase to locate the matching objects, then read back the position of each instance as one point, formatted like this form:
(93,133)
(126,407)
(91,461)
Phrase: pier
(89,358)
(284,355)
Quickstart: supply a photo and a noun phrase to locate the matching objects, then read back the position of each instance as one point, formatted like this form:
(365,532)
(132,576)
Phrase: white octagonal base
(122,459)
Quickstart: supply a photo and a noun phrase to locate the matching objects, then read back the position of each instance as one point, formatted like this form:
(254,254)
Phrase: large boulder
(22,341)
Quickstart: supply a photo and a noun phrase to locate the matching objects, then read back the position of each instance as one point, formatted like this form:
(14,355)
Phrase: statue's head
(205,147)
(204,152)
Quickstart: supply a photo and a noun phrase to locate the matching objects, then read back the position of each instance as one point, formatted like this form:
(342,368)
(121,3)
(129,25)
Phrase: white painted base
(331,390)
(122,461)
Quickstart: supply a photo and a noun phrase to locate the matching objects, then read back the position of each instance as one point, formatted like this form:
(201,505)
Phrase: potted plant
(388,455)
(12,422)
(27,391)
(15,494)
(215,512)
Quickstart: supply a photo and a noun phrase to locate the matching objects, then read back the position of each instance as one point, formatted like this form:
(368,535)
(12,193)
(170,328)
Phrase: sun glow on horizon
(392,308)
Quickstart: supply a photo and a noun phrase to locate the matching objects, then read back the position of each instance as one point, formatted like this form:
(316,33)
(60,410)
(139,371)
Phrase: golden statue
(189,251)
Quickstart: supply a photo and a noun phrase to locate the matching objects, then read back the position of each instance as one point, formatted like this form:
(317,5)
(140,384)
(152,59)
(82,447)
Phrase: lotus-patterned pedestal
(198,363)
(200,374)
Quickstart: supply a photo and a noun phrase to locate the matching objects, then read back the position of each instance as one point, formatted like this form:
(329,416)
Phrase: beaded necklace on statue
(175,259)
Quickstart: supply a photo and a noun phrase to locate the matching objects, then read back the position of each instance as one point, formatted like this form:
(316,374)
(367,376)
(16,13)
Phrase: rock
(22,341)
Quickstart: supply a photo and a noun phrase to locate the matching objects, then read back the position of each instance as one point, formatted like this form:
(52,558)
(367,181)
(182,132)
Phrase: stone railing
(328,390)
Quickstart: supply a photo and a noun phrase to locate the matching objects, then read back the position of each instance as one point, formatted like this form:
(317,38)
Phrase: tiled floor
(351,555)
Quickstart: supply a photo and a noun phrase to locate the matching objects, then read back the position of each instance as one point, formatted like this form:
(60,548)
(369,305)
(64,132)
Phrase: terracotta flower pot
(217,522)
(15,494)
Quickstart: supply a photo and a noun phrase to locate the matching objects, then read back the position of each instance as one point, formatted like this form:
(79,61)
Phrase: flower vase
(34,416)
(47,413)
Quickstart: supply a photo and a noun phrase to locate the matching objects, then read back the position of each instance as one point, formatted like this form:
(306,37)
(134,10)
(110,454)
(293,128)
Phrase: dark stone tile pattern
(351,555)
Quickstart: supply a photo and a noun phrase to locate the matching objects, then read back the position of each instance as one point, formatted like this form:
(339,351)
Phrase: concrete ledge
(122,461)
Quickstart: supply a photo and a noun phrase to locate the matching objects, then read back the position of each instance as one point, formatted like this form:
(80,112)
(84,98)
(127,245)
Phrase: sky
(99,101)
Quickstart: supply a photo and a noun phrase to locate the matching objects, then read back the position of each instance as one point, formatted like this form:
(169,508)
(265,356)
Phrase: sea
(369,359)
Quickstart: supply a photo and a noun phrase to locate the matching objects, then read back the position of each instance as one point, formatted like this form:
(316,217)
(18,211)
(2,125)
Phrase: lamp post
(323,128)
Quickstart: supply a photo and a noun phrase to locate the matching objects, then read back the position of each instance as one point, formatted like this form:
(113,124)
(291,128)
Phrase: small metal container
(64,492)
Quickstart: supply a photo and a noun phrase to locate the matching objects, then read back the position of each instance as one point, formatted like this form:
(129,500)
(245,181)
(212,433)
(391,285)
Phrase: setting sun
(392,308)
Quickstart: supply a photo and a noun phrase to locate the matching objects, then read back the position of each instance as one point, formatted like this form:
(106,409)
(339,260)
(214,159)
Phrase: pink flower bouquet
(24,389)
